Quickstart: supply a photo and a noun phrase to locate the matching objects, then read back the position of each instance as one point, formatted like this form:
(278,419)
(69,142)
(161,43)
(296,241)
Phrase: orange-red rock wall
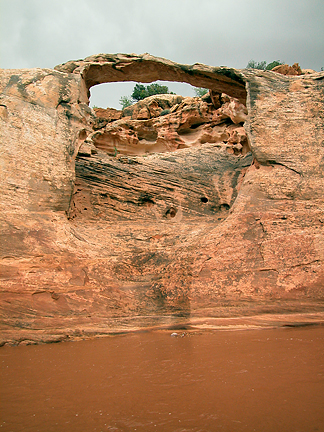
(162,239)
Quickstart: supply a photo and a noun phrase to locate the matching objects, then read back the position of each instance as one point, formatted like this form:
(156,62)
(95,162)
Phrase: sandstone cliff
(148,219)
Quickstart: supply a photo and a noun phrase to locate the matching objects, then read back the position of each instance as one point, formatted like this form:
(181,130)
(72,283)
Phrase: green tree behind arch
(141,91)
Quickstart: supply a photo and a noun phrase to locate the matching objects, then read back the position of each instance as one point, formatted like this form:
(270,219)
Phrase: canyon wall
(210,210)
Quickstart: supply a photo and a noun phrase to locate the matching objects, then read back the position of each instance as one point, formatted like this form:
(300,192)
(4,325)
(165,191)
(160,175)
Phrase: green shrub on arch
(252,64)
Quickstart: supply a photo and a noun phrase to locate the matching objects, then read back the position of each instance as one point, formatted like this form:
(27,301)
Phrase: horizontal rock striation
(200,183)
(95,242)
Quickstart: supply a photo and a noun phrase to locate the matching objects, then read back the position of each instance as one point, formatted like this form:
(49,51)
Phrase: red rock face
(288,70)
(157,220)
(166,123)
(108,114)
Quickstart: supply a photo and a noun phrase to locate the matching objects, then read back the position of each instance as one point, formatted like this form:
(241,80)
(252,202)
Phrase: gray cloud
(43,33)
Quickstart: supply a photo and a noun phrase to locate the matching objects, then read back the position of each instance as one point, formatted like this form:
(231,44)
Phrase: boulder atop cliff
(285,69)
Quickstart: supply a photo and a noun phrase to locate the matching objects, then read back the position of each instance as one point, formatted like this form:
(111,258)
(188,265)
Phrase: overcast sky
(44,33)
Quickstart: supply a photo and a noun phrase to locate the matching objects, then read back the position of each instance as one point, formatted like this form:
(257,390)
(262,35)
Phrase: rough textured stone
(288,70)
(152,106)
(308,71)
(109,114)
(164,123)
(178,185)
(97,243)
(42,113)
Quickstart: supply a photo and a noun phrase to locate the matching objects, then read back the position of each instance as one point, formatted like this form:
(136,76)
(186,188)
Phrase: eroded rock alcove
(197,218)
(158,130)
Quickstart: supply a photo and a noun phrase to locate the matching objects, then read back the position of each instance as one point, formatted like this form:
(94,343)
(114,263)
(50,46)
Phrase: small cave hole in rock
(196,125)
(171,212)
(204,199)
(146,200)
(83,134)
(224,207)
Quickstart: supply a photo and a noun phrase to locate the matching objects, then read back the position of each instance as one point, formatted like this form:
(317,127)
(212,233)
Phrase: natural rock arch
(105,68)
(225,170)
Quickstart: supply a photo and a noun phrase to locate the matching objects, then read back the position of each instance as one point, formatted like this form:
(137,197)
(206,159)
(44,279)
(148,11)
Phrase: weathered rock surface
(103,68)
(285,69)
(191,184)
(94,243)
(108,114)
(166,123)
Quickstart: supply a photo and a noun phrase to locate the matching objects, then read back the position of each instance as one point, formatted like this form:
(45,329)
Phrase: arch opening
(105,68)
(188,125)
(206,135)
(108,95)
(170,122)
